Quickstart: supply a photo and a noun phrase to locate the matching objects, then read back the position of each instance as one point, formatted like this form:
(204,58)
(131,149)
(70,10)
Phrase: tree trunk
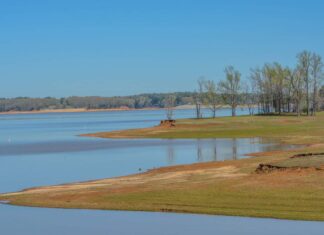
(288,105)
(307,98)
(314,98)
(214,112)
(233,111)
(198,110)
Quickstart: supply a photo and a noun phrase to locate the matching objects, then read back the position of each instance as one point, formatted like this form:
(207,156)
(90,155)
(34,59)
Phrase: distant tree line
(160,100)
(271,89)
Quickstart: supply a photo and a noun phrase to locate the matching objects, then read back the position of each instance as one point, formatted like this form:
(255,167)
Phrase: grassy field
(293,191)
(286,128)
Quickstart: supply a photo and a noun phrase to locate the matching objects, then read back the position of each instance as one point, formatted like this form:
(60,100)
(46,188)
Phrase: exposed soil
(306,155)
(168,123)
(268,168)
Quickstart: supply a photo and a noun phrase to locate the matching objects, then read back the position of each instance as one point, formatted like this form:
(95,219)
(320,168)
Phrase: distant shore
(80,110)
(84,110)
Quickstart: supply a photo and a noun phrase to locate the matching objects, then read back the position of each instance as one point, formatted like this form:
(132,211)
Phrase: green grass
(303,129)
(313,161)
(300,204)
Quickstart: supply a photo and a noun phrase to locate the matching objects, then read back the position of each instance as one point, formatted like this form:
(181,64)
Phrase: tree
(211,98)
(169,106)
(256,81)
(288,90)
(269,74)
(277,87)
(279,83)
(304,62)
(297,83)
(230,87)
(249,97)
(316,67)
(199,96)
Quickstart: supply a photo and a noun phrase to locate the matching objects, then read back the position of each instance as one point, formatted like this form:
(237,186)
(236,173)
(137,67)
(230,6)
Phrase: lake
(45,149)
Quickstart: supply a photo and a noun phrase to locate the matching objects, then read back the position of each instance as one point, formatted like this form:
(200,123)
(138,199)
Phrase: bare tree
(258,88)
(268,75)
(297,83)
(249,97)
(280,89)
(288,90)
(316,70)
(280,73)
(304,62)
(211,98)
(169,104)
(199,97)
(230,87)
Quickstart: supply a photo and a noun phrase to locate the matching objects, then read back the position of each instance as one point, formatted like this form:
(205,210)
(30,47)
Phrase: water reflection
(200,157)
(170,154)
(215,151)
(234,149)
(220,149)
(203,149)
(87,159)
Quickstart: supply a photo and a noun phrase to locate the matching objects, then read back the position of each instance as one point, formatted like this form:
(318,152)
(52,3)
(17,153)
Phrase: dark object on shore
(266,168)
(168,123)
(306,155)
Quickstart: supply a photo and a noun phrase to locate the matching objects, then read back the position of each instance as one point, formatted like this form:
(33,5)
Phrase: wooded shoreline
(84,110)
(81,110)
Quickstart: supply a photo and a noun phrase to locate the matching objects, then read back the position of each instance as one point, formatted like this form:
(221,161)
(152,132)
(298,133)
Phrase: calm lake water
(44,149)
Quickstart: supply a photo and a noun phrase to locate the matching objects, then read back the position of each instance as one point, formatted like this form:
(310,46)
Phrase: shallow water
(44,149)
(35,221)
(32,165)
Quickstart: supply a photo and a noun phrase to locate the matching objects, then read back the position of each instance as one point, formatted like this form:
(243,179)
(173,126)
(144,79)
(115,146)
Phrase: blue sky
(106,47)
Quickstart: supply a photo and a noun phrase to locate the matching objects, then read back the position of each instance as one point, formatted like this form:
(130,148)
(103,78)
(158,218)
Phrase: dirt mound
(268,168)
(167,123)
(307,155)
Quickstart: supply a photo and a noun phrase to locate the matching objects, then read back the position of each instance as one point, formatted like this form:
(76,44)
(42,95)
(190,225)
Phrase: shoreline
(85,110)
(76,110)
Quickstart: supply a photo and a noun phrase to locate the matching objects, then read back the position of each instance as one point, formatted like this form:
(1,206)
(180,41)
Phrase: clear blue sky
(106,47)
